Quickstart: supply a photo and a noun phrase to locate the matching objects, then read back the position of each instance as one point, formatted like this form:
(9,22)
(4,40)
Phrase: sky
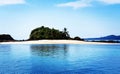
(83,18)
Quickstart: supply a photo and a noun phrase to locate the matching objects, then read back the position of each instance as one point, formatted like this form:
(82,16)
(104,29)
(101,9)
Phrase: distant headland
(108,39)
(6,38)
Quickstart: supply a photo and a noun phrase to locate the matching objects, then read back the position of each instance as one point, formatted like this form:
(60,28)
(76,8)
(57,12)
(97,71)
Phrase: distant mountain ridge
(109,37)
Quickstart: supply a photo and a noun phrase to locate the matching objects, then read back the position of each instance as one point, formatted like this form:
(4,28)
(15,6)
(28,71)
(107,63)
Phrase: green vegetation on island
(48,33)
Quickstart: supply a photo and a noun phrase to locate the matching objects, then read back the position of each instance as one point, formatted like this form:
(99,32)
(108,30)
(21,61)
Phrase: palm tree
(66,33)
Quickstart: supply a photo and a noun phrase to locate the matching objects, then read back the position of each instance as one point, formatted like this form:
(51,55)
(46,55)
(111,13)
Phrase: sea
(60,59)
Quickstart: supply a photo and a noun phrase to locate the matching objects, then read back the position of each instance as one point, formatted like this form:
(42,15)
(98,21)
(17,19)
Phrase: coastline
(54,42)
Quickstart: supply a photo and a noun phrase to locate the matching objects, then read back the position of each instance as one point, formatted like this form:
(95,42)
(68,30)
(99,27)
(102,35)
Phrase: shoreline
(54,42)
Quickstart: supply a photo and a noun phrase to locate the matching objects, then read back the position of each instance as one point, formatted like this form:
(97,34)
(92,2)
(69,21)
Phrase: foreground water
(60,59)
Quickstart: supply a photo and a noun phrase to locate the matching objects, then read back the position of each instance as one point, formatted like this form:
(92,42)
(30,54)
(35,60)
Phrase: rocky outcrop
(78,38)
(5,37)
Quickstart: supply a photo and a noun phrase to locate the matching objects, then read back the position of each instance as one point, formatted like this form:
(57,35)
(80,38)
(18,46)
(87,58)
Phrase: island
(46,35)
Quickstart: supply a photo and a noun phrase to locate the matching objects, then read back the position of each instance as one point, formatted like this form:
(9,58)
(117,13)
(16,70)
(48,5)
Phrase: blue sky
(84,18)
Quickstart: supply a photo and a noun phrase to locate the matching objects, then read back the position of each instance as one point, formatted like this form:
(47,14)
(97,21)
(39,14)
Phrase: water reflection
(49,50)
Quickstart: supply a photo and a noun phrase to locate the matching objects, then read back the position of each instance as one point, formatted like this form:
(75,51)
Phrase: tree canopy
(48,33)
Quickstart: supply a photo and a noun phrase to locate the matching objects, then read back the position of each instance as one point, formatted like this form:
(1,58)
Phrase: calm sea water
(60,59)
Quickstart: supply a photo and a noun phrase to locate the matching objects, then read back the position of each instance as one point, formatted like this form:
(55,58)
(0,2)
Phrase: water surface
(59,59)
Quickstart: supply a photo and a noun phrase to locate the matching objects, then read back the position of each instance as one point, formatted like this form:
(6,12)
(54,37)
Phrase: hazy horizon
(84,18)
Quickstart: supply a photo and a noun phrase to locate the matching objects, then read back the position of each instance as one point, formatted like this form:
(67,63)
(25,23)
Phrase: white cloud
(76,4)
(87,3)
(110,1)
(8,2)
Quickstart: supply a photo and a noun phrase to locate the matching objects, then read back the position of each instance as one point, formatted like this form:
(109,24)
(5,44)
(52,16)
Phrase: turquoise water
(60,59)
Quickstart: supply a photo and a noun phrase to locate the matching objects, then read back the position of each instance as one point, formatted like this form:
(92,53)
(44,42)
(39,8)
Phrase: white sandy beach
(54,42)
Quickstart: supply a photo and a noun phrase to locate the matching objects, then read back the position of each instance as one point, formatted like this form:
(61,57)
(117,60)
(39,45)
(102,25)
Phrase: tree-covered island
(50,33)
